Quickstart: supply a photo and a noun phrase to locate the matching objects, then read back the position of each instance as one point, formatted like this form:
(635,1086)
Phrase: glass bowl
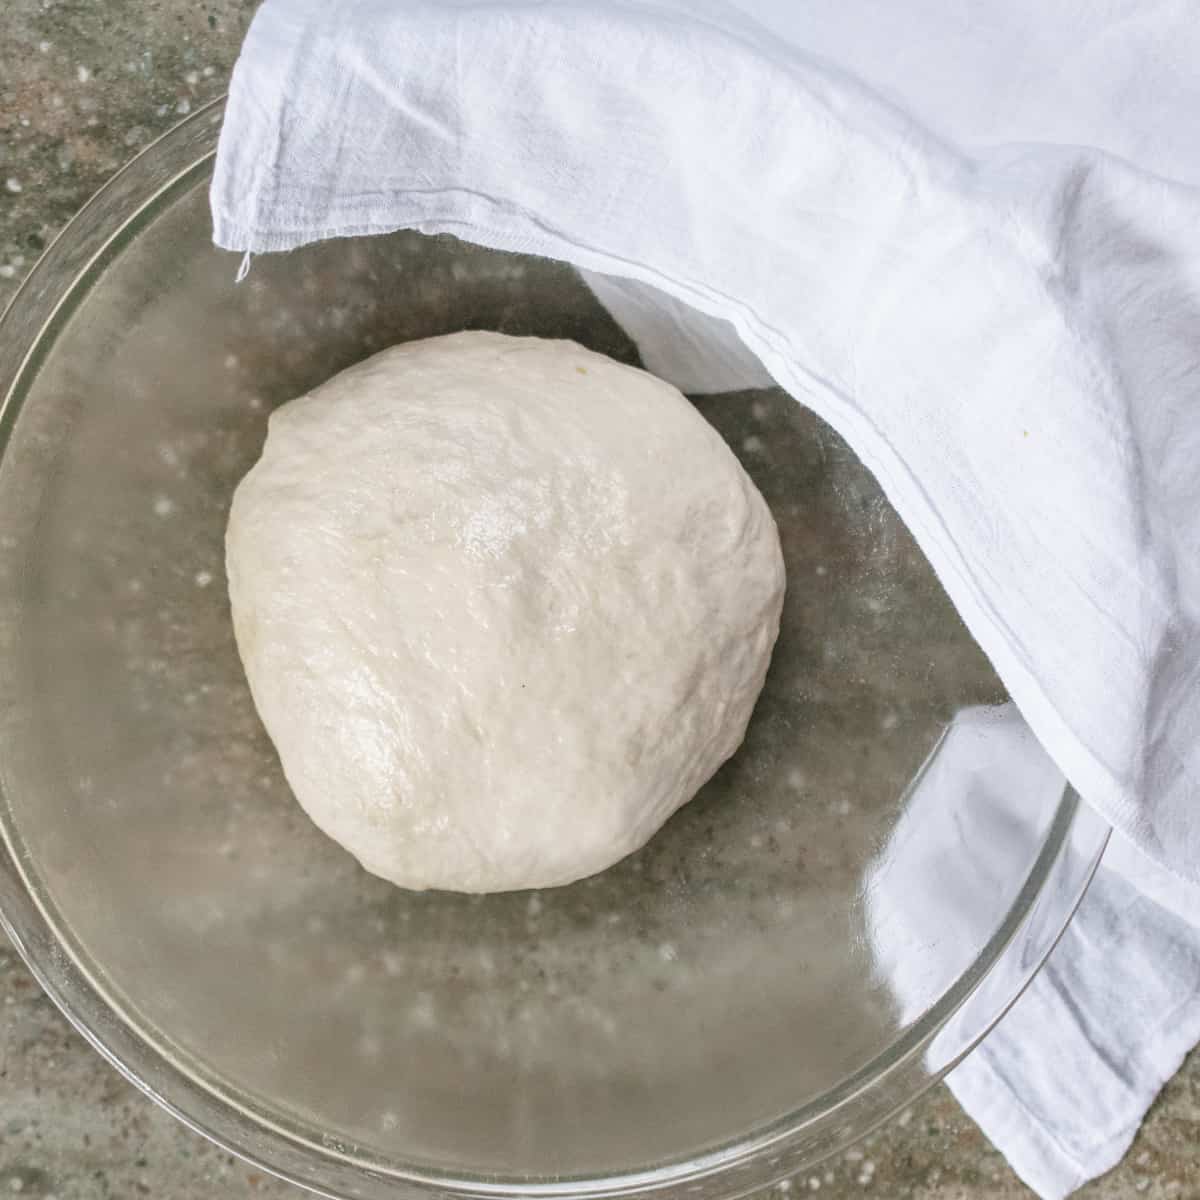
(799,952)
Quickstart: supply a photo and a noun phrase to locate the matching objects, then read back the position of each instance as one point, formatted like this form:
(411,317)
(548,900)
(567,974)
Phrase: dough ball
(504,605)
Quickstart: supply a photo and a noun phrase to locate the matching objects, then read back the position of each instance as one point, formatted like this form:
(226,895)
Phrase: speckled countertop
(83,85)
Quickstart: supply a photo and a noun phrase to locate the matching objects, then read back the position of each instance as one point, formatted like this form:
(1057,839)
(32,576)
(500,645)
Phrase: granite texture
(83,85)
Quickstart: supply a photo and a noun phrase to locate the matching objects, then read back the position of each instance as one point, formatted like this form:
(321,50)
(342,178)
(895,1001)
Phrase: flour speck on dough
(504,605)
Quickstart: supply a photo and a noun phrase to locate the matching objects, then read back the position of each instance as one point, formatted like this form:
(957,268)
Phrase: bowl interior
(712,983)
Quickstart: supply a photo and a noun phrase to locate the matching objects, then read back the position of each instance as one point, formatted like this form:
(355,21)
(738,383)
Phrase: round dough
(504,605)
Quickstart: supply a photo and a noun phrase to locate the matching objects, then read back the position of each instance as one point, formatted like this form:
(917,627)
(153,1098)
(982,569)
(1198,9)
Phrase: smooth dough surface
(504,604)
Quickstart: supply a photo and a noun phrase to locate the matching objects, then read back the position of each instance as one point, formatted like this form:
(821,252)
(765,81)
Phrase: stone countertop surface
(84,84)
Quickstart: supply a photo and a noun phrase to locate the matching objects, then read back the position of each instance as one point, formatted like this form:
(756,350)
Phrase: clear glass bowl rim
(916,1060)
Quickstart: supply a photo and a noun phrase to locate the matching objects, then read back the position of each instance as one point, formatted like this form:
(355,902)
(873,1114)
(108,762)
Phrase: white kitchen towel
(1062,1083)
(1007,335)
